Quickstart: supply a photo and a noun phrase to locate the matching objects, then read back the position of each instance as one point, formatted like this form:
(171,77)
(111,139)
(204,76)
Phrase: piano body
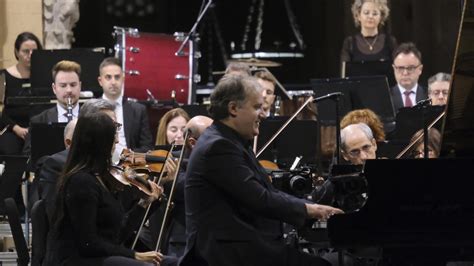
(421,212)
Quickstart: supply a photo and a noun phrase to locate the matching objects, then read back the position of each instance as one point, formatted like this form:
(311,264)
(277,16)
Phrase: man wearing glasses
(407,67)
(358,143)
(438,88)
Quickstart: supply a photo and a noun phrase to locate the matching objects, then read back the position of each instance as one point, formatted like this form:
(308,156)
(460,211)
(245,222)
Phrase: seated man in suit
(234,214)
(438,88)
(67,88)
(135,133)
(407,67)
(358,143)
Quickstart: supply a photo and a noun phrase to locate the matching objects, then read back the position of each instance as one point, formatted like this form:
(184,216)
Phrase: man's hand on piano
(20,131)
(321,212)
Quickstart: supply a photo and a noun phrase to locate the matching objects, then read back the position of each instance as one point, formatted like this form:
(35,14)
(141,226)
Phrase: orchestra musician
(370,44)
(171,128)
(407,66)
(176,236)
(17,83)
(238,68)
(267,82)
(67,88)
(89,223)
(438,88)
(135,133)
(434,144)
(358,143)
(233,213)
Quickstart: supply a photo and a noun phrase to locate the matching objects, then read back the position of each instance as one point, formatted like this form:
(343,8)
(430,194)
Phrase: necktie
(69,116)
(408,102)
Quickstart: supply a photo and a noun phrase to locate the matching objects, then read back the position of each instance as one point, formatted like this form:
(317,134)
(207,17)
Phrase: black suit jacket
(233,213)
(47,116)
(397,100)
(136,127)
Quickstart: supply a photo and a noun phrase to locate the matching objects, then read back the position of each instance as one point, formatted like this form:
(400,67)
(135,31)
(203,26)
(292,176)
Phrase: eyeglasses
(356,152)
(118,126)
(444,92)
(421,154)
(408,69)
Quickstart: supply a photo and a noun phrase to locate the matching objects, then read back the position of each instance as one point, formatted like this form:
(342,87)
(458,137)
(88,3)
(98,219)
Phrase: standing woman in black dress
(370,43)
(17,77)
(89,223)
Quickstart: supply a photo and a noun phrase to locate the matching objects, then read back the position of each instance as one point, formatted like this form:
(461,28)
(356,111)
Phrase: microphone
(329,96)
(424,102)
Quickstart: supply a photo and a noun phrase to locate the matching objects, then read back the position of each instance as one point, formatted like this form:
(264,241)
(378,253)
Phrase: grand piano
(421,212)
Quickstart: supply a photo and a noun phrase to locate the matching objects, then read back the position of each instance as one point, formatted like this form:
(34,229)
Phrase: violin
(153,160)
(128,176)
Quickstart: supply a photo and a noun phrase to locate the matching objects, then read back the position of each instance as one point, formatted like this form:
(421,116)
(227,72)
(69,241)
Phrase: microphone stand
(193,29)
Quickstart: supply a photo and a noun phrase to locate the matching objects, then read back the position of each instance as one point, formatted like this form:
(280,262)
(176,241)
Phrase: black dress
(14,115)
(94,225)
(357,48)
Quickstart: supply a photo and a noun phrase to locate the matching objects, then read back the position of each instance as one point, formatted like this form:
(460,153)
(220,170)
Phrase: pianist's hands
(321,212)
(20,131)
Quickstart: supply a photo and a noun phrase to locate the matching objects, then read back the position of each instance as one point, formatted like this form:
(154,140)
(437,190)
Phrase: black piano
(421,212)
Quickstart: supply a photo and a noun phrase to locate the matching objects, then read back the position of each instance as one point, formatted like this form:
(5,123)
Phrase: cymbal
(256,62)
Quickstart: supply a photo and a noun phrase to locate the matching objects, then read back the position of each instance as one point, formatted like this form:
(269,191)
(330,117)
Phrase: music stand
(298,139)
(370,92)
(11,178)
(369,68)
(42,62)
(410,119)
(46,139)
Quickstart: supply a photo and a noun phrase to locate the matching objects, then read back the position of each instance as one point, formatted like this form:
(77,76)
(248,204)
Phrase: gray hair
(94,106)
(350,129)
(441,76)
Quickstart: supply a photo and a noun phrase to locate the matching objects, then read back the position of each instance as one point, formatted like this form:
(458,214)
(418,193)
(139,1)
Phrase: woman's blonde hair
(383,7)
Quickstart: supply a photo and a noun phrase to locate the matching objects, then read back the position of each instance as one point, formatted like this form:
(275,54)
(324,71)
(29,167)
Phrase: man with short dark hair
(407,67)
(135,133)
(233,213)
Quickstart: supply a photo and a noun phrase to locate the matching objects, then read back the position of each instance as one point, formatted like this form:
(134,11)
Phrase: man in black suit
(135,133)
(407,67)
(233,213)
(67,88)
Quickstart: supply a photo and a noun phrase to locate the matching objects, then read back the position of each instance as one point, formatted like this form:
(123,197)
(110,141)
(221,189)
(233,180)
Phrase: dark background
(431,24)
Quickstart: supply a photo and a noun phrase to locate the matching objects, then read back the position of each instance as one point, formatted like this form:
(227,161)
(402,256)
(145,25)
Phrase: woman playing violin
(89,223)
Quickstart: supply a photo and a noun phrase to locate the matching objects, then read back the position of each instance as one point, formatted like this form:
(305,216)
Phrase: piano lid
(458,130)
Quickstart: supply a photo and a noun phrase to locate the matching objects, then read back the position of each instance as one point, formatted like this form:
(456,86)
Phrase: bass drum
(150,63)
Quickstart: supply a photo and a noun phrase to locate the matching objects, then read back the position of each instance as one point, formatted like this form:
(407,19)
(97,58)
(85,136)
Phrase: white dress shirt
(122,144)
(62,113)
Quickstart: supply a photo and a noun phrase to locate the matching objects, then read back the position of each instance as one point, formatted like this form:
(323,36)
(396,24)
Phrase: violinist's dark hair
(90,151)
(230,88)
(23,37)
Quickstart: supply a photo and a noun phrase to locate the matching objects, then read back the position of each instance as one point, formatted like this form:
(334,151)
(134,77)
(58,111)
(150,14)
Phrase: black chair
(17,232)
(40,226)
